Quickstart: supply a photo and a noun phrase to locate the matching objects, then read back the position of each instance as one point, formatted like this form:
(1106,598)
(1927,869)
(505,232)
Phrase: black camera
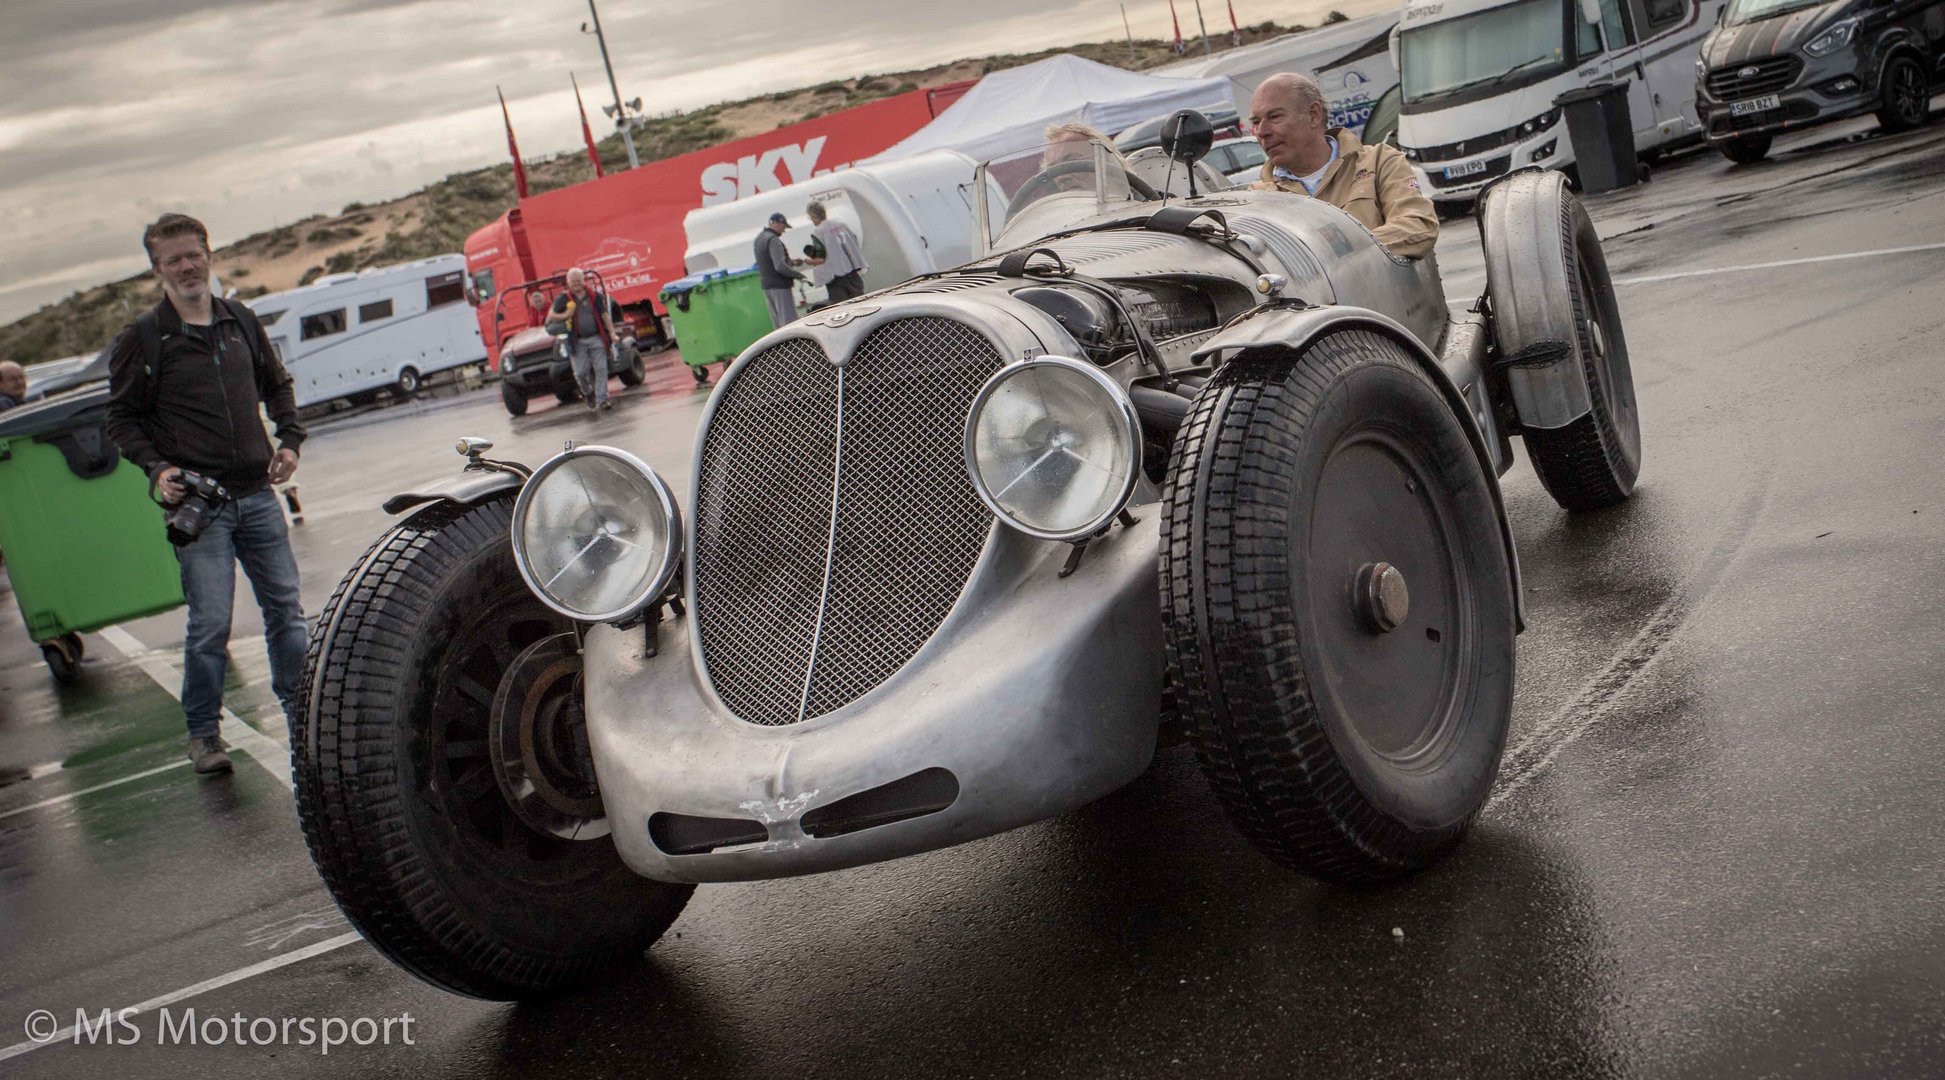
(204,499)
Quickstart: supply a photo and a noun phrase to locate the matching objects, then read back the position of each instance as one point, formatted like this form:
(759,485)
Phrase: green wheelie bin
(83,544)
(716,316)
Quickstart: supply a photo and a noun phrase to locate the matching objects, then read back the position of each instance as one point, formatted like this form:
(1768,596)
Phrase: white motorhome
(350,335)
(1479,78)
(914,215)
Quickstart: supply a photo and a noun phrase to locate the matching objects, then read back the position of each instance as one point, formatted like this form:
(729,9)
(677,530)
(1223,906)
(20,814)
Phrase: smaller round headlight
(596,534)
(1053,447)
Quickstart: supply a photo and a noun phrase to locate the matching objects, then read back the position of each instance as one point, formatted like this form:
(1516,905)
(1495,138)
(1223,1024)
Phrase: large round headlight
(1053,446)
(596,534)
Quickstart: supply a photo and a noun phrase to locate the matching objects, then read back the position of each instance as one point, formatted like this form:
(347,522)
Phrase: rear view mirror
(1187,136)
(1391,46)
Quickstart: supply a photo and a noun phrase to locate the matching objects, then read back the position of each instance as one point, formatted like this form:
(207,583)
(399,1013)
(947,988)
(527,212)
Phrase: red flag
(1179,46)
(587,134)
(519,170)
(1235,32)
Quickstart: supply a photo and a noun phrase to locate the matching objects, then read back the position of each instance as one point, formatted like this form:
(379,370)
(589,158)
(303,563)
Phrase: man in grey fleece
(774,272)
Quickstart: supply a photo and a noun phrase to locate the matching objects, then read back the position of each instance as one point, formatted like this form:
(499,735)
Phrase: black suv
(1771,66)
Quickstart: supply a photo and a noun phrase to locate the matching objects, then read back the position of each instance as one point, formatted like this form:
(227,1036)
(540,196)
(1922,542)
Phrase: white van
(913,215)
(1479,78)
(349,335)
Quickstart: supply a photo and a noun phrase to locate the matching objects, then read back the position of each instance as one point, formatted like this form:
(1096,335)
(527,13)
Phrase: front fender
(1293,328)
(471,487)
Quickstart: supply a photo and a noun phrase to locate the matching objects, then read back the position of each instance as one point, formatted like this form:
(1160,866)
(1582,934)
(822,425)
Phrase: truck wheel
(427,659)
(1547,280)
(634,370)
(513,399)
(408,383)
(1339,607)
(569,394)
(1745,149)
(1907,95)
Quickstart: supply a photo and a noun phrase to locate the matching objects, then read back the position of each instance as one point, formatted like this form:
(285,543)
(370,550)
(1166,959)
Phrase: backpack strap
(252,330)
(148,330)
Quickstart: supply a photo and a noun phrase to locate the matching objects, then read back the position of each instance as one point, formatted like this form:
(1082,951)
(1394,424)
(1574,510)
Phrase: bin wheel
(701,372)
(63,656)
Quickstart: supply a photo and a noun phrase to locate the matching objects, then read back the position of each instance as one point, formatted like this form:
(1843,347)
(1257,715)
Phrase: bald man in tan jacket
(1373,184)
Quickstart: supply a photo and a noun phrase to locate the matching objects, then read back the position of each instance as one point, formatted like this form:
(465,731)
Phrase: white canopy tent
(1008,112)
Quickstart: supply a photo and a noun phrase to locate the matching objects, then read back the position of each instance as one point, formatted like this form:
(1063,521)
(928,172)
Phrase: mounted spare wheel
(1339,606)
(1560,344)
(442,772)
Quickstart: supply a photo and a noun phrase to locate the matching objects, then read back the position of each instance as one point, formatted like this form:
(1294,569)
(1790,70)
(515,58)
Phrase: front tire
(1907,95)
(513,399)
(397,787)
(1547,279)
(1745,149)
(1339,607)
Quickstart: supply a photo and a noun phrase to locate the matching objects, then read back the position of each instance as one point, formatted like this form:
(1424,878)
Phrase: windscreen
(1482,48)
(1057,185)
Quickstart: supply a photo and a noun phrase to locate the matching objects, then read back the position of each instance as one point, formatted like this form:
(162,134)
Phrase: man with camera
(186,380)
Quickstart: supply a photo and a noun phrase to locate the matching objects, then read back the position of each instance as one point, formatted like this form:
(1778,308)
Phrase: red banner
(519,170)
(594,156)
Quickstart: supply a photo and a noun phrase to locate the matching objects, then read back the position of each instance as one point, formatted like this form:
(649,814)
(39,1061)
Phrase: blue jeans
(250,531)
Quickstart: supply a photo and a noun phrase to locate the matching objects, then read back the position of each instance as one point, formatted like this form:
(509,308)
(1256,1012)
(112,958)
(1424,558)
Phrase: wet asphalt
(1714,848)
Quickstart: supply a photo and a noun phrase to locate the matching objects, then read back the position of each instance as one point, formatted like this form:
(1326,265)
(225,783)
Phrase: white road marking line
(267,752)
(204,987)
(90,790)
(1644,279)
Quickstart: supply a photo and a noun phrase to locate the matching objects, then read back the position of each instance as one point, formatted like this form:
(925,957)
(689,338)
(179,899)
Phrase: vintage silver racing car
(953,556)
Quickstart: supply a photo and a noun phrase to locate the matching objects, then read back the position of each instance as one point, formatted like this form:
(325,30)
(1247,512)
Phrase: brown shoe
(211,754)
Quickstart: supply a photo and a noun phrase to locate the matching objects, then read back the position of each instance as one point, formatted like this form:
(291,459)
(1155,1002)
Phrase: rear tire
(634,370)
(396,787)
(1547,279)
(1745,149)
(408,383)
(1340,747)
(1907,95)
(513,399)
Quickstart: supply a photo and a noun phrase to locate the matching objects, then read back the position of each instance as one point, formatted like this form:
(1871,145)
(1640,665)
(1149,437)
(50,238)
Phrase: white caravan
(913,215)
(1350,60)
(1479,78)
(389,327)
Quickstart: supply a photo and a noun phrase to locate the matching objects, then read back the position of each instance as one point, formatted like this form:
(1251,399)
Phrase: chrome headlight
(1053,447)
(596,534)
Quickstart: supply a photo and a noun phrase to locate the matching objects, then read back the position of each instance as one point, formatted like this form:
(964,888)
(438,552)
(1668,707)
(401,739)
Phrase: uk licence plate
(1756,105)
(1453,172)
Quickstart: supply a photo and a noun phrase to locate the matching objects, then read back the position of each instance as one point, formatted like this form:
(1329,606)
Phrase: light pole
(618,110)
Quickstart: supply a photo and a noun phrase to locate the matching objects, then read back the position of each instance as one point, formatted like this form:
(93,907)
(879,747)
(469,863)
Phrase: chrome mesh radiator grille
(835,526)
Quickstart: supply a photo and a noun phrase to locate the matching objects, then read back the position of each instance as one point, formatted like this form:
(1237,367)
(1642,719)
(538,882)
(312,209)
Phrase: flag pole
(1204,26)
(1130,31)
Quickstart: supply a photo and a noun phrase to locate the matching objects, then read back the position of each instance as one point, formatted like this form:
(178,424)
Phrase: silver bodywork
(784,697)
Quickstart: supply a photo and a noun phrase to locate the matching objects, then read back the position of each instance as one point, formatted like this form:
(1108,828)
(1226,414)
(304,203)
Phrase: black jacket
(201,413)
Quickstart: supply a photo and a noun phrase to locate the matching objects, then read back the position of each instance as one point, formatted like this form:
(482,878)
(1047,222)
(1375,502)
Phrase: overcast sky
(255,113)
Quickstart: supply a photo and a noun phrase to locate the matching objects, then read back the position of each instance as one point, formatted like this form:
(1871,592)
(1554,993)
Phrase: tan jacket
(1374,185)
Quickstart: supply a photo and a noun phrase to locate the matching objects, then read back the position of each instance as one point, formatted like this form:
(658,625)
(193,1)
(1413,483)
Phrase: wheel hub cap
(1382,599)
